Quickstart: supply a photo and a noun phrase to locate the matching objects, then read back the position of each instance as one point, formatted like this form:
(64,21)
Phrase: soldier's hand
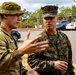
(30,46)
(32,71)
(61,65)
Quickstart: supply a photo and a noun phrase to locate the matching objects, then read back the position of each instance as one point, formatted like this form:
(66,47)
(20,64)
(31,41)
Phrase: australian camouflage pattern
(59,49)
(10,8)
(9,56)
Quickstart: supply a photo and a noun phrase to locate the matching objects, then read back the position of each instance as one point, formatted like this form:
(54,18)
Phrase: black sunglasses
(47,18)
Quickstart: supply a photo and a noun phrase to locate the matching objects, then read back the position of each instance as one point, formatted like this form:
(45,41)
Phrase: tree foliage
(29,19)
(65,12)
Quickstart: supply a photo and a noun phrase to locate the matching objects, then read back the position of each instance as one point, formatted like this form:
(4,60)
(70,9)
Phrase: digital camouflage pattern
(9,56)
(10,8)
(59,49)
(49,11)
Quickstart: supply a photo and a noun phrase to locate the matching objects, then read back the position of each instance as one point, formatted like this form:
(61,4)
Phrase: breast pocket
(63,53)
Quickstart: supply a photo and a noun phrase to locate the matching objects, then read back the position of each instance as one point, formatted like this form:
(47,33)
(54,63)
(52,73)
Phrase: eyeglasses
(49,18)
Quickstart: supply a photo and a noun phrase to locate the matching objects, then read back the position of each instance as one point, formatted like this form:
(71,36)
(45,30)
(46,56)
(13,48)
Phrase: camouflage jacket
(59,49)
(9,56)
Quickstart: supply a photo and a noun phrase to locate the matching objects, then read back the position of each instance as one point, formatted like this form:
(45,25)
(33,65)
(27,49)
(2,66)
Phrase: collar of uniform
(4,30)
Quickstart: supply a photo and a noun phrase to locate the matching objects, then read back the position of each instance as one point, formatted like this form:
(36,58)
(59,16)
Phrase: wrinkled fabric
(9,56)
(10,8)
(59,49)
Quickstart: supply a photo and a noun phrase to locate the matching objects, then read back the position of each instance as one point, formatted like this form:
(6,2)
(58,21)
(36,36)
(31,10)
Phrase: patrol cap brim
(48,15)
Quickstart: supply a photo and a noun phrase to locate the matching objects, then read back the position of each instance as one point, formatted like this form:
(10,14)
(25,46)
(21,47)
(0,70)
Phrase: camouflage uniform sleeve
(6,56)
(24,70)
(70,66)
(44,65)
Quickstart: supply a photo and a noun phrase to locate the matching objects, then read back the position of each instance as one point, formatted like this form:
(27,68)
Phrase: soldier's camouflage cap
(49,11)
(10,8)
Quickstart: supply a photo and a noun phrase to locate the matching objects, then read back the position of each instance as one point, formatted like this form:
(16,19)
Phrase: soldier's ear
(5,16)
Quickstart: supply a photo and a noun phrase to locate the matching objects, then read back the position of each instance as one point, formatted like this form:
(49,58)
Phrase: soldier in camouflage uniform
(10,54)
(57,58)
